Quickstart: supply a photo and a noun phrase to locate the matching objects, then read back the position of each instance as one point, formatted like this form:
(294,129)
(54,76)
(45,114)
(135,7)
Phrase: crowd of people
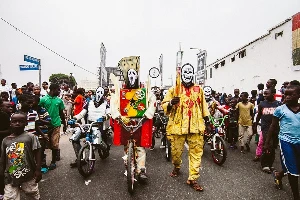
(32,116)
(36,111)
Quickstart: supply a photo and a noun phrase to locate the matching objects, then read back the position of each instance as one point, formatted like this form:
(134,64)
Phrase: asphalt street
(238,178)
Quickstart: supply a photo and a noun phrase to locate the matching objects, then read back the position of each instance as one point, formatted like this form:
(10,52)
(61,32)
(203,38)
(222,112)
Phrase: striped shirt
(32,117)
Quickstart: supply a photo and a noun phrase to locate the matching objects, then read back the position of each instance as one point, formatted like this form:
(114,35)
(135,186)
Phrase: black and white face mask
(207,92)
(187,74)
(132,77)
(99,94)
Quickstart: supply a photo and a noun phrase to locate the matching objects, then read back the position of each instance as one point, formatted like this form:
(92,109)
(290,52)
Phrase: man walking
(187,112)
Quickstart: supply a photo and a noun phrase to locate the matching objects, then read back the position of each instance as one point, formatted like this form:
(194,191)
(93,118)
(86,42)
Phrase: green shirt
(53,105)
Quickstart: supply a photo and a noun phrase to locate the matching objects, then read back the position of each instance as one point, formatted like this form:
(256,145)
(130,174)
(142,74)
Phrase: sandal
(194,185)
(278,182)
(175,172)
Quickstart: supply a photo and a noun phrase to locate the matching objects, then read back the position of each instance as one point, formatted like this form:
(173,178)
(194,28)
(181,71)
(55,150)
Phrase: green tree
(63,79)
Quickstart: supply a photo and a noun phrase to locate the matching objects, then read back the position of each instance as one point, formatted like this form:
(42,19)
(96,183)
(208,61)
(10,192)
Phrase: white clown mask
(207,91)
(187,73)
(165,92)
(99,94)
(132,76)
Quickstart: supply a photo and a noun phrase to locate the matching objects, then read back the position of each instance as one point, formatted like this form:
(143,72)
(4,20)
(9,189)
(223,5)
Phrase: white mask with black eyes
(165,92)
(99,94)
(187,73)
(132,76)
(207,91)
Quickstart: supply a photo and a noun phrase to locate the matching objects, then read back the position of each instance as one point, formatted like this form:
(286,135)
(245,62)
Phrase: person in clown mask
(213,104)
(134,103)
(96,108)
(188,118)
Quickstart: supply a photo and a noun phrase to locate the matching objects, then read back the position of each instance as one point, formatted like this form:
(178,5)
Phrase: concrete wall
(265,58)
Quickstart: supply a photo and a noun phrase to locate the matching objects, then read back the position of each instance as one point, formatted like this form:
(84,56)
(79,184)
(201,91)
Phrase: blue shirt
(289,124)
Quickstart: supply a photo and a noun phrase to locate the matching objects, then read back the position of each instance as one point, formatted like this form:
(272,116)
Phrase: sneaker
(151,148)
(44,170)
(52,166)
(266,170)
(143,176)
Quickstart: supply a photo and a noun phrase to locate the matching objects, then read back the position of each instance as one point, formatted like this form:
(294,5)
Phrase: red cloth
(143,136)
(78,104)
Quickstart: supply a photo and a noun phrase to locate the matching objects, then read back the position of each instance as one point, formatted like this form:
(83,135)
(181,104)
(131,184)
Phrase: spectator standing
(22,155)
(5,112)
(55,107)
(79,101)
(287,119)
(13,90)
(44,90)
(265,113)
(245,114)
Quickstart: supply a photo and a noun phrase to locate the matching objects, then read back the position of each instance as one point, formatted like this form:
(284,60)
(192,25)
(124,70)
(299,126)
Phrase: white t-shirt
(13,93)
(5,88)
(44,92)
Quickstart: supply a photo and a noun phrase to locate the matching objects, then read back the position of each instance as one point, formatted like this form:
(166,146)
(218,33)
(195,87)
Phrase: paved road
(238,178)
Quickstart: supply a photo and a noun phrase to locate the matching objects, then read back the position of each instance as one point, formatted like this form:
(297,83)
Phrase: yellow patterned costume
(186,123)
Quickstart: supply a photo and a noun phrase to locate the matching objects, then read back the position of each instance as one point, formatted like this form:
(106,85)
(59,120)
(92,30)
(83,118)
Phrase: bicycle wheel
(131,168)
(84,164)
(219,151)
(168,149)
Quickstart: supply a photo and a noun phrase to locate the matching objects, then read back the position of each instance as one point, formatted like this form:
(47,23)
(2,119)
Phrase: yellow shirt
(245,119)
(187,116)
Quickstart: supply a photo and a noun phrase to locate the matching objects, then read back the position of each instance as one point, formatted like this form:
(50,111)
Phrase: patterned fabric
(195,142)
(32,117)
(187,117)
(43,115)
(296,39)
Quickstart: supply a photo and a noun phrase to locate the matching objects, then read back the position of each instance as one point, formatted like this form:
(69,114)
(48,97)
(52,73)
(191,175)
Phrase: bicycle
(216,138)
(131,162)
(162,130)
(94,140)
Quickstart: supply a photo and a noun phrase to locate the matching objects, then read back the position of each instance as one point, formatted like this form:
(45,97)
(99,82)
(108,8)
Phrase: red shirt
(78,104)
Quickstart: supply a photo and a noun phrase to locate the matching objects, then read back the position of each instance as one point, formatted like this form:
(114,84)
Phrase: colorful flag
(296,39)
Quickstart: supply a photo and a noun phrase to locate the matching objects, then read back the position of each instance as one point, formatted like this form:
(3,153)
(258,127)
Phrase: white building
(269,56)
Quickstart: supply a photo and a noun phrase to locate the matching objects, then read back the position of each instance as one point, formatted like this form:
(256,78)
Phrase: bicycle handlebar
(221,118)
(131,128)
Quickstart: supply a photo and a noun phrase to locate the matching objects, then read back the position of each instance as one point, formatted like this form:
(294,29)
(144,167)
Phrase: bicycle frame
(87,139)
(215,132)
(131,128)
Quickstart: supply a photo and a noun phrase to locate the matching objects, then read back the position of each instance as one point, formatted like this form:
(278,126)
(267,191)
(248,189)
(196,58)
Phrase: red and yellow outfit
(186,123)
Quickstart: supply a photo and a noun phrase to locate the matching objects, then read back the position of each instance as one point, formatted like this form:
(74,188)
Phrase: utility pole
(102,62)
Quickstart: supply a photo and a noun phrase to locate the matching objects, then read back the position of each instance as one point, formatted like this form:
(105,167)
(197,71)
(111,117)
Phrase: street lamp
(197,49)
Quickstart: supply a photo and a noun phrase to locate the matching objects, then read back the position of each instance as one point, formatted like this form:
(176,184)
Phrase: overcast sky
(148,28)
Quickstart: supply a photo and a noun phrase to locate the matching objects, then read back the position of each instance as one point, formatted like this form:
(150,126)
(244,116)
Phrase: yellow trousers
(195,142)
